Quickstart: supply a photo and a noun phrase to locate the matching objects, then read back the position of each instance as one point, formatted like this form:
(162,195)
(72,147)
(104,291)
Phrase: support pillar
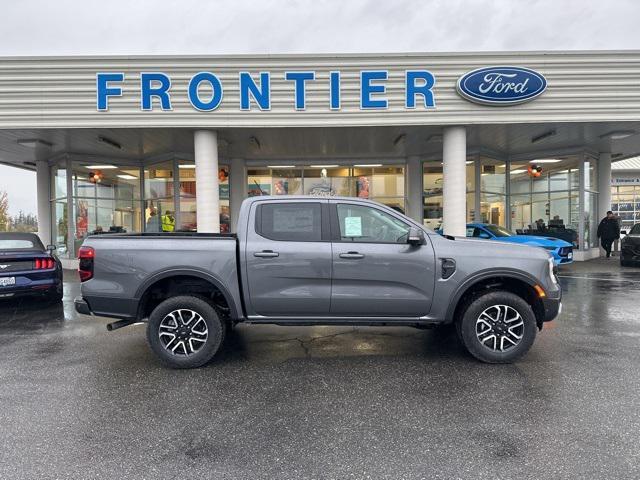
(454,191)
(414,190)
(604,190)
(238,190)
(43,195)
(205,144)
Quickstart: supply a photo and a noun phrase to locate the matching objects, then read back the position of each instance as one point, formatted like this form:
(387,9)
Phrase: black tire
(215,328)
(484,352)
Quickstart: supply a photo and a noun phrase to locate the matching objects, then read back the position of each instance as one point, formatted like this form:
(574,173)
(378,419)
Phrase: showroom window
(493,190)
(544,197)
(382,183)
(105,199)
(625,204)
(432,192)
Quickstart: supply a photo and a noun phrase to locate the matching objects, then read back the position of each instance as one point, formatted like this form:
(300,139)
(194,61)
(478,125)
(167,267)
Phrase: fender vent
(448,267)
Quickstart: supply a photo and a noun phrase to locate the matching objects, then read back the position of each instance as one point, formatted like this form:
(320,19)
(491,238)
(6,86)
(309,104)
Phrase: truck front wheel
(497,327)
(185,331)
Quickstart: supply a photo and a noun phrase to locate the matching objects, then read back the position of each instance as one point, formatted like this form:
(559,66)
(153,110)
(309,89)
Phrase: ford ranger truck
(300,260)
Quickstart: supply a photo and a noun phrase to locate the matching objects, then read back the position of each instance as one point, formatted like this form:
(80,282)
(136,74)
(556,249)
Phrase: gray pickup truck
(318,261)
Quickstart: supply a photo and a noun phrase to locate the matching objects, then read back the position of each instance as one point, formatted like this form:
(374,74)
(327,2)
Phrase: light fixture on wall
(34,143)
(255,142)
(399,138)
(542,136)
(111,143)
(618,134)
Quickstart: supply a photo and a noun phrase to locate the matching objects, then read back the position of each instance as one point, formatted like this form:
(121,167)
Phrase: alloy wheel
(499,328)
(183,332)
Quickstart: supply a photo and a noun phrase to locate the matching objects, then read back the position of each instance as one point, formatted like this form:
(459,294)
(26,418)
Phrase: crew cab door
(376,273)
(288,258)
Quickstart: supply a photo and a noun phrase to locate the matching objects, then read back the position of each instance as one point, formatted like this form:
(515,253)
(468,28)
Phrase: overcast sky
(89,27)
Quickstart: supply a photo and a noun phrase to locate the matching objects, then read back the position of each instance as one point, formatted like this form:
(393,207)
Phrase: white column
(414,188)
(604,191)
(43,194)
(205,144)
(604,185)
(454,191)
(238,187)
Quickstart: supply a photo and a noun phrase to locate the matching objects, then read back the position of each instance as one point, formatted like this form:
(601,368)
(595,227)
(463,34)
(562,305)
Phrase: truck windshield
(499,231)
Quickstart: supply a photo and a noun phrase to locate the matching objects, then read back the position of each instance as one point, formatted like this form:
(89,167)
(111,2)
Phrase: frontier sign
(255,90)
(205,90)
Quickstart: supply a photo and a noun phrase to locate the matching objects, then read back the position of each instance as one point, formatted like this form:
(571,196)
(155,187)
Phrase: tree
(4,211)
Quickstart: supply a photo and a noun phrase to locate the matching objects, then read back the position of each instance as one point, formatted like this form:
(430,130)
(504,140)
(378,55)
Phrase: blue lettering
(427,81)
(260,94)
(334,90)
(367,89)
(155,85)
(104,91)
(216,87)
(300,78)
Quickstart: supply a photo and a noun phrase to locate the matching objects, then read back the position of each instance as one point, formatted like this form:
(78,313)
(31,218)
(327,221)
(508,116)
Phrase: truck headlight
(552,272)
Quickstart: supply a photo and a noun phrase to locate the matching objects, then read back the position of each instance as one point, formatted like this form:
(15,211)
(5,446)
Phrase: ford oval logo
(501,85)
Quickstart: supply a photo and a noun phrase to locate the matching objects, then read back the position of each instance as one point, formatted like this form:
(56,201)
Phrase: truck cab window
(366,224)
(295,222)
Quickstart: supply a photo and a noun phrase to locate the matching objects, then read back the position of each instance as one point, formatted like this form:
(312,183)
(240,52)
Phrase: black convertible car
(28,268)
(630,247)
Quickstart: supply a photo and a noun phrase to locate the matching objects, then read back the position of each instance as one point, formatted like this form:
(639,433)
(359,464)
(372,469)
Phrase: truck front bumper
(552,305)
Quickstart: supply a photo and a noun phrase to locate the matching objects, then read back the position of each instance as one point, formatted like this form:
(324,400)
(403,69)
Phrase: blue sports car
(561,251)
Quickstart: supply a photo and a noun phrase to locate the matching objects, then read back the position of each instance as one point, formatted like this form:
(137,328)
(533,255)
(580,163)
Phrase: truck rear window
(295,222)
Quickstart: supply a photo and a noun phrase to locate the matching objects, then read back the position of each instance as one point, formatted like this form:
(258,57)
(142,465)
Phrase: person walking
(608,231)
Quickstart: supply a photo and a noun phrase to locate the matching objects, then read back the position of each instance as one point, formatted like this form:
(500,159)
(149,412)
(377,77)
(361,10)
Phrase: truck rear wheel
(185,331)
(497,327)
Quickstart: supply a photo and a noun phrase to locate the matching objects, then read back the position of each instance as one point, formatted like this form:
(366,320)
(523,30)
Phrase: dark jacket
(609,229)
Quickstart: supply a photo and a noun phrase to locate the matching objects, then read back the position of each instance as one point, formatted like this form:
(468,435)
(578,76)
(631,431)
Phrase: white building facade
(176,143)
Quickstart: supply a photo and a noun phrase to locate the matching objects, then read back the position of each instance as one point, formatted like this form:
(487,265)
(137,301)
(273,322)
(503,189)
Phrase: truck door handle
(352,255)
(266,254)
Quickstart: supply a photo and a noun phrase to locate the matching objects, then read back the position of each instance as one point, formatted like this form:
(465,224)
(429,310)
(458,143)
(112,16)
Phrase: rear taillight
(44,263)
(85,267)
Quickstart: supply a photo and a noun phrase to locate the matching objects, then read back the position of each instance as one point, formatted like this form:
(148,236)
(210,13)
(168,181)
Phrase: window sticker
(353,226)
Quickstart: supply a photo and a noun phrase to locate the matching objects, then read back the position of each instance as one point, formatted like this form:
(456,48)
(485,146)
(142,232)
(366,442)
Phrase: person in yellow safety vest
(168,221)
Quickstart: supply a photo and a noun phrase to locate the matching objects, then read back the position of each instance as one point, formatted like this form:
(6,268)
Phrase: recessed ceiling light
(469,162)
(546,160)
(127,177)
(281,166)
(517,170)
(368,165)
(100,167)
(324,166)
(618,134)
(187,165)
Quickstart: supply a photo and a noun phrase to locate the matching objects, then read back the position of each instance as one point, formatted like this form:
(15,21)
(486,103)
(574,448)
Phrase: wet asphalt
(326,403)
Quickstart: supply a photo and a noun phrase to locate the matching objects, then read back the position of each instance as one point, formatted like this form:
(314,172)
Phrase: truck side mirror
(51,248)
(416,236)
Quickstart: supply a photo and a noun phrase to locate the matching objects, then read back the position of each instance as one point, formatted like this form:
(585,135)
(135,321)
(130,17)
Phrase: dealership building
(169,143)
